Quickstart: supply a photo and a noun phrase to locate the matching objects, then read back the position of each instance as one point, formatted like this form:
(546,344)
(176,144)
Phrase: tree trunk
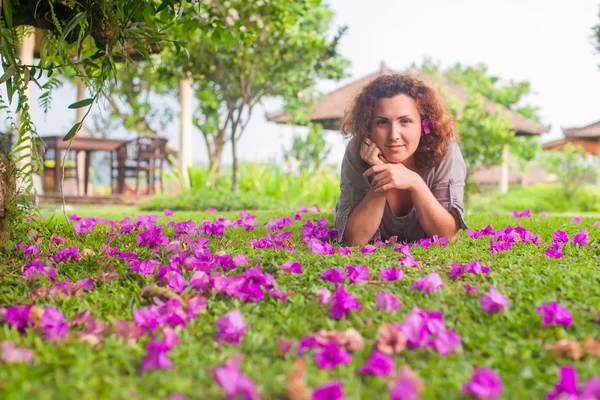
(235,186)
(215,154)
(8,188)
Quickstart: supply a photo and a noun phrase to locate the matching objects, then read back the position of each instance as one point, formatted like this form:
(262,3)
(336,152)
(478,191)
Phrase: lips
(396,146)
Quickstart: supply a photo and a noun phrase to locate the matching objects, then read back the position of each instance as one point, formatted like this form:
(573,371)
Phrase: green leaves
(8,73)
(7,12)
(82,103)
(74,129)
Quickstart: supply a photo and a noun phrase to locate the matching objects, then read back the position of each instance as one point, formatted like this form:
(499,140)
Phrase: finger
(382,182)
(384,188)
(383,159)
(378,177)
(375,169)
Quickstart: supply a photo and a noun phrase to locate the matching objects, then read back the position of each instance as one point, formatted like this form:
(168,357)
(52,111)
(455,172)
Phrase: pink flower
(156,353)
(427,126)
(329,391)
(391,274)
(567,386)
(560,237)
(576,220)
(200,281)
(368,249)
(597,224)
(167,212)
(359,273)
(177,283)
(484,384)
(378,364)
(470,288)
(543,214)
(324,296)
(241,260)
(331,356)
(318,247)
(494,301)
(404,389)
(429,283)
(18,317)
(386,302)
(333,275)
(344,251)
(343,303)
(211,210)
(457,270)
(284,346)
(236,384)
(11,354)
(555,314)
(424,328)
(524,214)
(581,238)
(554,253)
(476,268)
(292,267)
(231,327)
(409,261)
(54,324)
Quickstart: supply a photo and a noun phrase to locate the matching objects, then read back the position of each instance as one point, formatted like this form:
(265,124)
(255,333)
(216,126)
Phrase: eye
(381,122)
(406,121)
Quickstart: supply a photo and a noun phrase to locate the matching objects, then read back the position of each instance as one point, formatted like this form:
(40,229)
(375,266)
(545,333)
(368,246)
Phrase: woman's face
(396,128)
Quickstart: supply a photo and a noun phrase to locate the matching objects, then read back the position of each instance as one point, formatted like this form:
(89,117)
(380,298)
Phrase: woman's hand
(370,153)
(392,176)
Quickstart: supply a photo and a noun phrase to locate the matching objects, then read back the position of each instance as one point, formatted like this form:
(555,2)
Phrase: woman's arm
(433,217)
(365,218)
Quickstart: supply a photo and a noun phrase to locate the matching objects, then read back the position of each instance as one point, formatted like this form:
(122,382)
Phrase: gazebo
(331,109)
(587,137)
(30,48)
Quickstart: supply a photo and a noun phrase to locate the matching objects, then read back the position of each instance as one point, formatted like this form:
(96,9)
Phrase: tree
(259,49)
(312,151)
(572,167)
(484,134)
(89,37)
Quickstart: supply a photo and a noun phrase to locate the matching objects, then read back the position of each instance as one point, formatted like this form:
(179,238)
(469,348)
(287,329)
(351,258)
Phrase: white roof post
(185,132)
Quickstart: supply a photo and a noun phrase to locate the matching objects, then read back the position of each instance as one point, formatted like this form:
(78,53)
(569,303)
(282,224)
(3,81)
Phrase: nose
(395,131)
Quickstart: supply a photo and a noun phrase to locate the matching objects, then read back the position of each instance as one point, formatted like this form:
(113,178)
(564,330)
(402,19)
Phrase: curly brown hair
(432,148)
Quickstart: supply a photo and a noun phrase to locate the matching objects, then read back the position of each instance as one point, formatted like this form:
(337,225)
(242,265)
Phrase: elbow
(352,241)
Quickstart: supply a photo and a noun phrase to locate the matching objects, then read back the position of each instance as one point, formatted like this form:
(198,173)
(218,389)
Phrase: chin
(395,158)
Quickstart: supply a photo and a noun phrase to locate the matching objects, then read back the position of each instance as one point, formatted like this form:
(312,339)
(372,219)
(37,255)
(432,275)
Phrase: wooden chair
(143,155)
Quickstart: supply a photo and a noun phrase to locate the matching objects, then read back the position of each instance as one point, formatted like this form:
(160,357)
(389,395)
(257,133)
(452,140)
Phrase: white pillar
(504,171)
(26,56)
(81,132)
(185,132)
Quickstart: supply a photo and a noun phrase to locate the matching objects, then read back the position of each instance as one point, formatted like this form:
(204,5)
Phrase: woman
(403,173)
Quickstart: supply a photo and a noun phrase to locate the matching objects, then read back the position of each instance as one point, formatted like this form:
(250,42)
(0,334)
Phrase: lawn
(181,348)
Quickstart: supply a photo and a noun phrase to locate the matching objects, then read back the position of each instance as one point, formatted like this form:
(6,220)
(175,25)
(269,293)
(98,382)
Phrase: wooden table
(86,144)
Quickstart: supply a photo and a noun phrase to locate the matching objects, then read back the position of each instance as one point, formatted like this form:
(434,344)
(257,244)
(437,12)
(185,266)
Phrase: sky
(546,42)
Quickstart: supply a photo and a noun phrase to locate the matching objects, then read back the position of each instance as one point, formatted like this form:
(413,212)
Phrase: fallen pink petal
(386,302)
(494,301)
(554,314)
(484,384)
(429,283)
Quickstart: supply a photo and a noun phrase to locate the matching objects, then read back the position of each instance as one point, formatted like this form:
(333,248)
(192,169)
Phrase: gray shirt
(446,180)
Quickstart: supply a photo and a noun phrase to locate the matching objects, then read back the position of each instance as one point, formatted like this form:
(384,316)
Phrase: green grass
(511,343)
